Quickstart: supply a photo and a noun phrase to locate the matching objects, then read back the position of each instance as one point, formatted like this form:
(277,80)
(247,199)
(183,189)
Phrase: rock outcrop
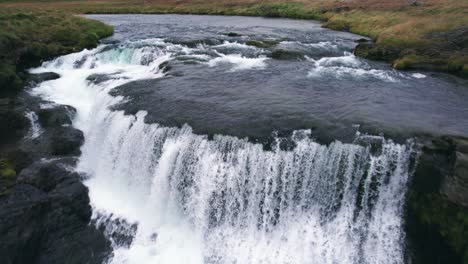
(437,212)
(44,207)
(455,185)
(45,218)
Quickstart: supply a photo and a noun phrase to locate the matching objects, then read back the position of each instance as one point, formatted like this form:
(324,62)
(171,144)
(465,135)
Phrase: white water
(36,129)
(349,66)
(225,200)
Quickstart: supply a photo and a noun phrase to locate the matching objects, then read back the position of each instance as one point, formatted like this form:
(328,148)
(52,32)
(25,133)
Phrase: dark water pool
(299,76)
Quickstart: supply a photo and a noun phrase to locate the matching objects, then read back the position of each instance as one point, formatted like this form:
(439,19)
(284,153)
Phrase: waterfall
(167,195)
(36,129)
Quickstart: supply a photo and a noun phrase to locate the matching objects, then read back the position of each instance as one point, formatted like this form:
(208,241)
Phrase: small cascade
(36,129)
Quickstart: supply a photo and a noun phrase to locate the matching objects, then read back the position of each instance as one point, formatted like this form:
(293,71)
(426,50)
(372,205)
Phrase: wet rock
(45,218)
(165,66)
(282,54)
(264,44)
(98,78)
(455,185)
(370,51)
(192,43)
(42,77)
(232,34)
(13,124)
(57,116)
(66,141)
(435,217)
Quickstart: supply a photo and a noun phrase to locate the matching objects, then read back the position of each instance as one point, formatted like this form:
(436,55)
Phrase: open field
(410,34)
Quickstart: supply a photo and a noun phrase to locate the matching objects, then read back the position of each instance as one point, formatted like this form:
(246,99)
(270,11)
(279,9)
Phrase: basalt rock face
(455,186)
(56,116)
(437,215)
(45,219)
(44,207)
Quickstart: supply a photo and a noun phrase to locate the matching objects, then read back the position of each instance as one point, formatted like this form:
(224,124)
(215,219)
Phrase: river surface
(201,148)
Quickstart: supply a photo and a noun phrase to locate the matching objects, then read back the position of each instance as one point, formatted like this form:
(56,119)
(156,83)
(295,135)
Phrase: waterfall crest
(167,195)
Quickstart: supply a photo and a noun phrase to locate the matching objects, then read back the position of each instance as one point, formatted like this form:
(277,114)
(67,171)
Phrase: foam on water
(327,45)
(225,200)
(348,66)
(234,45)
(239,62)
(418,75)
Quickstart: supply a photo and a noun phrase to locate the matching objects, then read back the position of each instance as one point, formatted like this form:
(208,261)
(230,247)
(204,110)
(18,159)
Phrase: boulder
(98,78)
(455,186)
(45,218)
(57,116)
(66,141)
(282,54)
(42,77)
(13,125)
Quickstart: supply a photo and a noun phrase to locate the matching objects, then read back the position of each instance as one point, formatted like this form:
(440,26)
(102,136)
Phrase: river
(214,139)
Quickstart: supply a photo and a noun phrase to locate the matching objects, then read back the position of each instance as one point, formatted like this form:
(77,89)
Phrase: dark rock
(264,44)
(42,77)
(66,141)
(435,219)
(45,219)
(232,34)
(282,54)
(192,43)
(13,124)
(370,51)
(165,66)
(362,40)
(455,185)
(57,116)
(98,78)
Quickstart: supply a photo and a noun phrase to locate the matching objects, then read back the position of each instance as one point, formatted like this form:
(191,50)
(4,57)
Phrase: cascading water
(167,195)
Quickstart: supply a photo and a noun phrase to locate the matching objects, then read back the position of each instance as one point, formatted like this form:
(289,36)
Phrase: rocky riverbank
(44,207)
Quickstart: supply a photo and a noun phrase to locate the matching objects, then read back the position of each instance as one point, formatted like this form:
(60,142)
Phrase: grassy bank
(410,34)
(28,37)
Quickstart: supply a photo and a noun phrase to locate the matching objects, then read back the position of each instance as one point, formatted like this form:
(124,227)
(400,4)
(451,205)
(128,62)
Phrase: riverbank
(29,37)
(37,191)
(420,34)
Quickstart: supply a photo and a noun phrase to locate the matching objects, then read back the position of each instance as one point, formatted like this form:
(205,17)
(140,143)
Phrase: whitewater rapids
(178,197)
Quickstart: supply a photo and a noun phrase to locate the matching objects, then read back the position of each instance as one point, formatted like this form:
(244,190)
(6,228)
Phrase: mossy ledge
(437,203)
(29,37)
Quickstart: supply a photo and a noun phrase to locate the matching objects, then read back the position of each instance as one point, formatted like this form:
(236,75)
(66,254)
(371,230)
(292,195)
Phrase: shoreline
(403,35)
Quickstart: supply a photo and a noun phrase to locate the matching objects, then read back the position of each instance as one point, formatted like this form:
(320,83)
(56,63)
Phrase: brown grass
(406,27)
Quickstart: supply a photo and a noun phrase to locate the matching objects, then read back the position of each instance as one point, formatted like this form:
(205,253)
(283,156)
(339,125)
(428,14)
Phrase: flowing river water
(200,148)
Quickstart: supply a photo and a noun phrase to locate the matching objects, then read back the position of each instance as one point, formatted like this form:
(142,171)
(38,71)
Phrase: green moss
(464,71)
(450,220)
(338,24)
(7,175)
(415,62)
(458,64)
(9,78)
